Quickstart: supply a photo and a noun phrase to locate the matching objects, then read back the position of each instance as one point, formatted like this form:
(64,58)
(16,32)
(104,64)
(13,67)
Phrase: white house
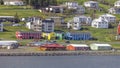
(114,10)
(35,24)
(100,23)
(97,46)
(71,5)
(110,18)
(13,2)
(91,4)
(80,9)
(117,4)
(48,25)
(74,25)
(83,20)
(1,27)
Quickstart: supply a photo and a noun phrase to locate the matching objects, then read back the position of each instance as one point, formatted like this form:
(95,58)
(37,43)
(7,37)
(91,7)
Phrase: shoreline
(62,53)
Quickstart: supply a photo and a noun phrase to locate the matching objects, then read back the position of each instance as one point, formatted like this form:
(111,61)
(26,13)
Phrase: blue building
(77,36)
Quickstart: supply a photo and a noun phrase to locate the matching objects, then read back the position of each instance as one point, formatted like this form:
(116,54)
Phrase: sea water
(60,61)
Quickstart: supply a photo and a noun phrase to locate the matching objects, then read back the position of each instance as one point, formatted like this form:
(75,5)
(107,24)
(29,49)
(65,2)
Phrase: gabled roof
(100,20)
(107,15)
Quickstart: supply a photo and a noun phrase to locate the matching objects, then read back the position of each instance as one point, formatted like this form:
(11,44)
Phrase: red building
(118,29)
(52,47)
(28,35)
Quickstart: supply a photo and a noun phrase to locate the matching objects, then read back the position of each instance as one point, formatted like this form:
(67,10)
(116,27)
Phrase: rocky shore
(62,53)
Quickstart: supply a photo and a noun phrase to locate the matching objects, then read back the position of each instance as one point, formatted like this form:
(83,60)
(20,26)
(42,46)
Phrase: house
(28,35)
(48,36)
(80,9)
(91,4)
(117,3)
(58,21)
(35,24)
(55,9)
(71,5)
(13,2)
(110,18)
(1,27)
(9,44)
(75,47)
(48,25)
(99,46)
(84,20)
(52,47)
(7,18)
(100,23)
(74,25)
(114,10)
(77,36)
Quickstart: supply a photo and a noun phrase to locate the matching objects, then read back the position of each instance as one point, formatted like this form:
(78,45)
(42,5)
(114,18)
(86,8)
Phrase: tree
(16,20)
(1,2)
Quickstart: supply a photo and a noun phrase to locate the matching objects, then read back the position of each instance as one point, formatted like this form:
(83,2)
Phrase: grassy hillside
(106,35)
(22,11)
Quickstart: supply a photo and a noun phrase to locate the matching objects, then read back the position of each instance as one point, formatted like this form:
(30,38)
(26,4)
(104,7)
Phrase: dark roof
(48,21)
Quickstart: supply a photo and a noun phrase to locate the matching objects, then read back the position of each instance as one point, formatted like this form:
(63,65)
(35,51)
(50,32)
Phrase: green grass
(20,10)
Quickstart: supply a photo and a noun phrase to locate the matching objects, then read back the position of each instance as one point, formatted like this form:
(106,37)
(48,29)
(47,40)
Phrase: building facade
(1,27)
(35,24)
(97,46)
(58,21)
(28,35)
(110,18)
(71,5)
(13,2)
(114,10)
(75,47)
(91,4)
(117,4)
(48,25)
(77,36)
(99,23)
(80,9)
(84,20)
(74,25)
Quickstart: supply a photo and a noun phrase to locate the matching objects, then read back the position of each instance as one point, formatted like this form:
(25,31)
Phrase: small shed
(73,47)
(97,46)
(9,44)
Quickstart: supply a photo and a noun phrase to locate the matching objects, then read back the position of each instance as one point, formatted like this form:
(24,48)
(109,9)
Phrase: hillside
(103,35)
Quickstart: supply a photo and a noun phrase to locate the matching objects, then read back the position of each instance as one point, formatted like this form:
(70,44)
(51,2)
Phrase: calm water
(60,62)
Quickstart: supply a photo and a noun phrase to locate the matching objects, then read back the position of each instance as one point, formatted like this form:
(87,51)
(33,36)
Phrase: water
(60,62)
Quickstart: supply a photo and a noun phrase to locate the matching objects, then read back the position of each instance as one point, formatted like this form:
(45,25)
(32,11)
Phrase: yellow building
(48,36)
